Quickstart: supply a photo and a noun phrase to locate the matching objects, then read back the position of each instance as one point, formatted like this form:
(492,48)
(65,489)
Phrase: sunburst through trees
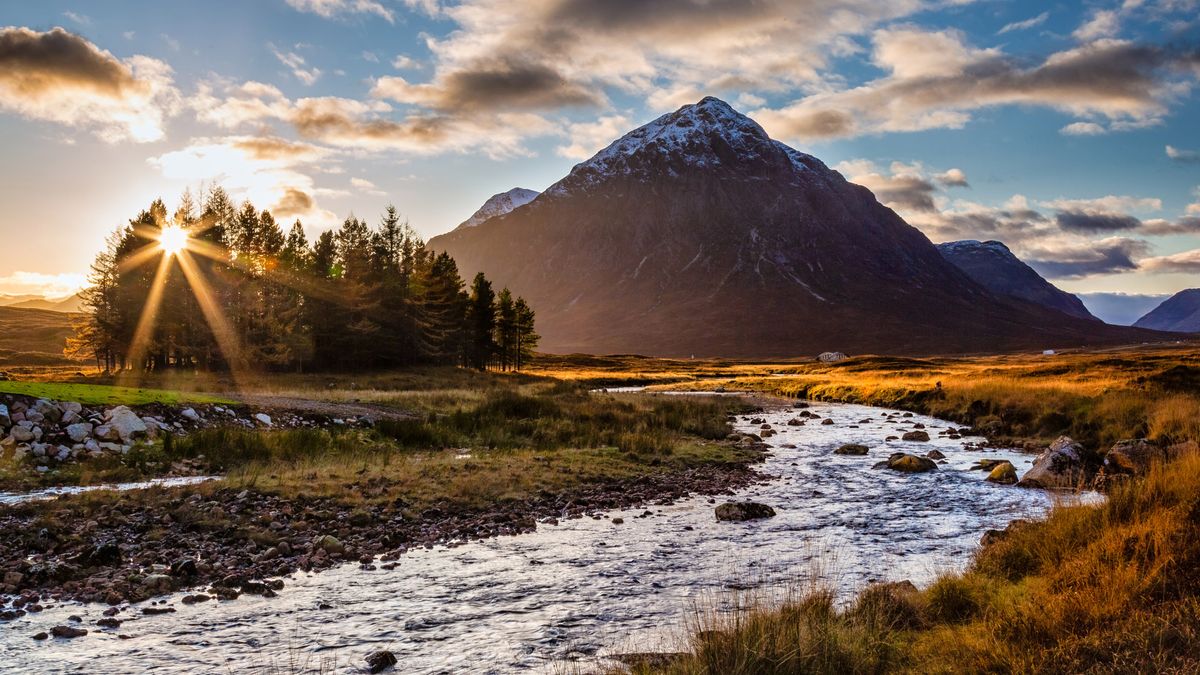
(214,286)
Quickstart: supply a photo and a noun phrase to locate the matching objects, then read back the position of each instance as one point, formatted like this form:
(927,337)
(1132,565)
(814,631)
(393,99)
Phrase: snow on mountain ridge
(500,204)
(703,134)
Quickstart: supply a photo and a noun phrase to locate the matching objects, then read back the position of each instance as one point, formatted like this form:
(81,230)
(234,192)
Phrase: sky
(1069,131)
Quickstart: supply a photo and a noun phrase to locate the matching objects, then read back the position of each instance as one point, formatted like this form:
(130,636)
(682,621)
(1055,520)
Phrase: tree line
(247,293)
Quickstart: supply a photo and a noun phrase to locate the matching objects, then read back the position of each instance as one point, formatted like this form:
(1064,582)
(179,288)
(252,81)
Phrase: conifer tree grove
(354,298)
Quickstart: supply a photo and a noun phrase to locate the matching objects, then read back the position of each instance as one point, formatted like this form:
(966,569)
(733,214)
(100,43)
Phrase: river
(583,588)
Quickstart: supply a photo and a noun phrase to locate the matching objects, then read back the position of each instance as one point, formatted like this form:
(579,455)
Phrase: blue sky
(1043,125)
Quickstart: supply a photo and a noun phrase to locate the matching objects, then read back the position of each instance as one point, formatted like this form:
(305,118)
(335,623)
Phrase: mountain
(500,204)
(994,267)
(697,234)
(70,304)
(1120,309)
(1179,313)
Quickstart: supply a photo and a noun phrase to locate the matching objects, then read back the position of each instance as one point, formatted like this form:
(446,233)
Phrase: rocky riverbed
(565,588)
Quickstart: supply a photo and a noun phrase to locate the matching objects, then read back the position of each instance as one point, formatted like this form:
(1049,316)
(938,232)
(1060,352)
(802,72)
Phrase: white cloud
(38,283)
(297,65)
(1106,204)
(1083,129)
(1026,24)
(1103,23)
(588,138)
(1181,155)
(332,8)
(60,77)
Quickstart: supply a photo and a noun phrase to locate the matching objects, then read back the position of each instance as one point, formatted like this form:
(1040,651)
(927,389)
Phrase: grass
(100,394)
(33,338)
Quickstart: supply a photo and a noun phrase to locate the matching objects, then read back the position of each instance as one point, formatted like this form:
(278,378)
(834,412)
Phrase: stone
(263,419)
(920,436)
(935,454)
(852,449)
(79,432)
(47,410)
(1003,473)
(106,432)
(190,414)
(5,418)
(827,421)
(157,583)
(126,423)
(379,661)
(21,434)
(1133,457)
(329,544)
(986,464)
(68,632)
(906,463)
(1061,466)
(742,511)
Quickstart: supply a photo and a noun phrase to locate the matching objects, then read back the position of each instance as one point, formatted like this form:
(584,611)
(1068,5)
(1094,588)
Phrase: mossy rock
(907,463)
(1003,473)
(921,436)
(852,449)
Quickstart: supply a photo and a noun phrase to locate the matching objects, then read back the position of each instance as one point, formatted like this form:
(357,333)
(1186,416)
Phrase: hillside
(992,265)
(1179,313)
(33,337)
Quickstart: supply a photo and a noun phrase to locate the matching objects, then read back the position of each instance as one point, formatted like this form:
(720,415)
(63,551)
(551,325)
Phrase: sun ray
(139,257)
(306,284)
(223,332)
(145,327)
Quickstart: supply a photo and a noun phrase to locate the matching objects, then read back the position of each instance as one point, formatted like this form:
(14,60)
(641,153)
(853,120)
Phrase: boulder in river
(68,632)
(915,436)
(740,511)
(329,544)
(1062,465)
(379,661)
(852,449)
(906,463)
(1003,473)
(935,454)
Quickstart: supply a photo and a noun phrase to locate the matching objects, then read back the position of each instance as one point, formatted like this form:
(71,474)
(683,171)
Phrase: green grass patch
(100,394)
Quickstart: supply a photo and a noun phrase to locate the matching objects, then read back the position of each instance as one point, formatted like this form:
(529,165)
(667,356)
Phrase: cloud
(1024,25)
(1128,84)
(1079,221)
(60,77)
(1189,224)
(504,85)
(1106,204)
(1187,262)
(1103,23)
(588,138)
(267,170)
(297,65)
(1106,256)
(365,186)
(1180,155)
(1083,129)
(49,285)
(81,19)
(904,188)
(332,8)
(953,178)
(403,62)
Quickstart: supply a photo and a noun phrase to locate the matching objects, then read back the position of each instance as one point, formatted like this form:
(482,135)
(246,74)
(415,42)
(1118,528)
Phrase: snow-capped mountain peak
(702,135)
(500,204)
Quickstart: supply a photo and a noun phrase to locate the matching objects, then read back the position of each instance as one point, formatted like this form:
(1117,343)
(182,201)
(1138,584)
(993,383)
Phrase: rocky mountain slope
(500,204)
(1179,313)
(992,265)
(699,234)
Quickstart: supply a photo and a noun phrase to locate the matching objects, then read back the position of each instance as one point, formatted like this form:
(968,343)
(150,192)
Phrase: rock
(1133,457)
(986,464)
(106,432)
(41,636)
(935,454)
(190,414)
(79,432)
(915,436)
(329,544)
(155,611)
(852,449)
(109,622)
(795,422)
(47,410)
(126,423)
(379,661)
(22,434)
(1061,466)
(157,583)
(5,418)
(263,419)
(741,511)
(767,433)
(68,632)
(184,567)
(827,421)
(1003,473)
(904,462)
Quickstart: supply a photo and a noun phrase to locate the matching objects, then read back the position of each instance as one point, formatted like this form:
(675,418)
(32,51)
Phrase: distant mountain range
(697,234)
(500,204)
(70,304)
(1179,313)
(993,266)
(1120,309)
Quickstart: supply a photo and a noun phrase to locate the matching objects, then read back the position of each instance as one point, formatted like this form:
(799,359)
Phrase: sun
(173,239)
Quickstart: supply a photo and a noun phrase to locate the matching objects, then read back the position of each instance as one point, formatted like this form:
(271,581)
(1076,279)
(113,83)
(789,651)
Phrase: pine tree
(481,323)
(526,337)
(506,330)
